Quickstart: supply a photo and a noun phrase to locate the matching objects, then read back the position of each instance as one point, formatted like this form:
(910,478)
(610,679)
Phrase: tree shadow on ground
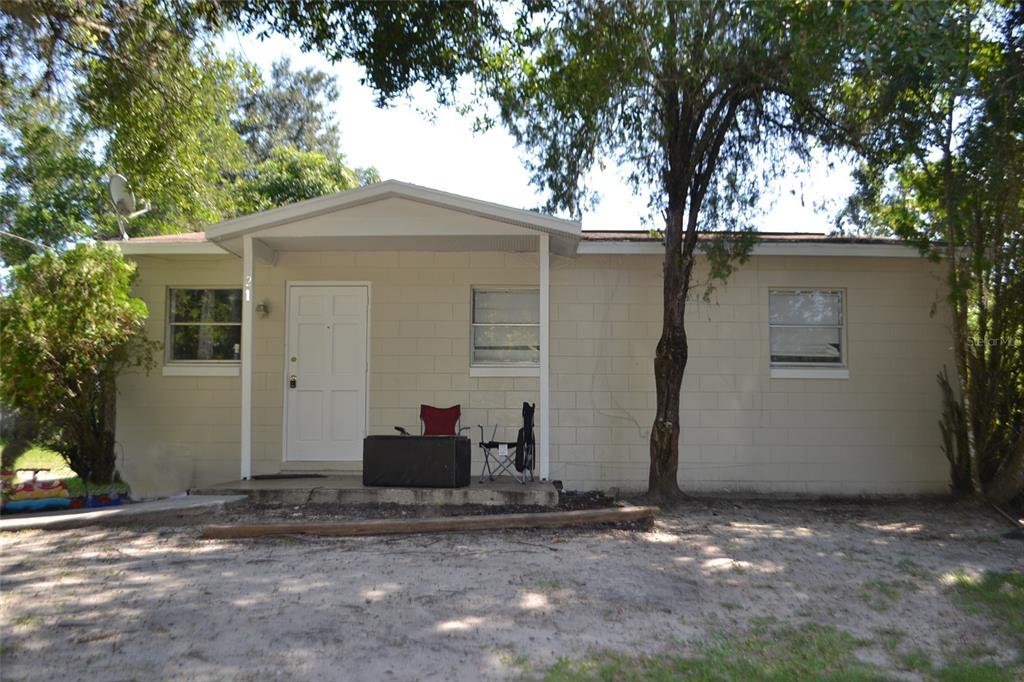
(154,601)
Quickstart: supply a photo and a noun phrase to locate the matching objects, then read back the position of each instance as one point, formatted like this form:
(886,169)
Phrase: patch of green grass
(41,458)
(38,458)
(882,595)
(977,672)
(77,487)
(998,595)
(26,621)
(809,652)
(511,659)
(915,660)
(890,639)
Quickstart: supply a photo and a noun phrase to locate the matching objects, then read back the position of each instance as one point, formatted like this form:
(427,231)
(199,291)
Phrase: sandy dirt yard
(154,602)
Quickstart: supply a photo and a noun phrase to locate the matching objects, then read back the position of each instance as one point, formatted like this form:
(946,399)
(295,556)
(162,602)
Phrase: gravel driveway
(155,602)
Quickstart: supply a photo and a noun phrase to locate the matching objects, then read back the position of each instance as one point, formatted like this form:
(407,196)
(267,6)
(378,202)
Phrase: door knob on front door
(292,380)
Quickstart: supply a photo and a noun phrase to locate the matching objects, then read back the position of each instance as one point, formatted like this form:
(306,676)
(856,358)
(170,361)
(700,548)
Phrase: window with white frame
(806,327)
(204,325)
(505,327)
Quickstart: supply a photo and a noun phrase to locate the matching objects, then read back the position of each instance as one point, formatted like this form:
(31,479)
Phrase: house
(291,334)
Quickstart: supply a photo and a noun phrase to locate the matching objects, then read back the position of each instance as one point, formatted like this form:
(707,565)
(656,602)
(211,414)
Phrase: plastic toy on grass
(38,490)
(41,495)
(106,500)
(36,495)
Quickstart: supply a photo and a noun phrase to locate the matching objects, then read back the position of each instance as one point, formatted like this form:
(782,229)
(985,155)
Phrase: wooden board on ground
(441,524)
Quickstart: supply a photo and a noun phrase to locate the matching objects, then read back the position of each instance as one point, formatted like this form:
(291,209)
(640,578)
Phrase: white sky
(416,141)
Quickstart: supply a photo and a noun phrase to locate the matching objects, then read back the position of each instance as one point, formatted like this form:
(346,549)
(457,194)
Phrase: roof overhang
(396,215)
(819,248)
(143,247)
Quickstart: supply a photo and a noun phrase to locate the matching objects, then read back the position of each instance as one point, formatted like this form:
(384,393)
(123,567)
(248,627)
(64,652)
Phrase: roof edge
(388,189)
(819,248)
(167,247)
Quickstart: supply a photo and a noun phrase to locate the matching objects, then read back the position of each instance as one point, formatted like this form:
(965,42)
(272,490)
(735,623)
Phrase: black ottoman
(416,461)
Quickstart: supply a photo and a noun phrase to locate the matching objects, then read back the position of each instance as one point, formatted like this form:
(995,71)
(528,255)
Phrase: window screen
(506,327)
(806,327)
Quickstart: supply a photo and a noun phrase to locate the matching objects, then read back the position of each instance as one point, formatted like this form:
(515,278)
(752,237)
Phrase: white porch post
(545,364)
(246,355)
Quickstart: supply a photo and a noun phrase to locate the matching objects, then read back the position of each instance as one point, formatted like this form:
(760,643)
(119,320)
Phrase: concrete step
(504,491)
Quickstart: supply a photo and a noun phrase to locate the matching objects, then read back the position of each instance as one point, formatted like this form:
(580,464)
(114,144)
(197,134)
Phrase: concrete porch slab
(504,491)
(75,518)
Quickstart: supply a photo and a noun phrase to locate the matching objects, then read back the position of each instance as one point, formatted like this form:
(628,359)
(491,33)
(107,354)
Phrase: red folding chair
(439,421)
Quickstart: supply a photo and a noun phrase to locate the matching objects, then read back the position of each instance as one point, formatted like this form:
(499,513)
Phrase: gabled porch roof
(395,215)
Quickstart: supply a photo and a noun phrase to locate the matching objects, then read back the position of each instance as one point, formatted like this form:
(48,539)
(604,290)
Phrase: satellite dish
(123,200)
(121,195)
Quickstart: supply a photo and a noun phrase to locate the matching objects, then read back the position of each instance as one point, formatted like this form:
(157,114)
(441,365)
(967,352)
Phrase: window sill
(504,371)
(810,373)
(201,370)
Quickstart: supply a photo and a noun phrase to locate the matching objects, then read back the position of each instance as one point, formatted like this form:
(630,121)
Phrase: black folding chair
(502,456)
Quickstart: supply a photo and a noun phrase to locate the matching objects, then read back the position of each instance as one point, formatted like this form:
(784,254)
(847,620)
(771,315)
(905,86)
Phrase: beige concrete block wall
(742,430)
(419,341)
(180,432)
(176,432)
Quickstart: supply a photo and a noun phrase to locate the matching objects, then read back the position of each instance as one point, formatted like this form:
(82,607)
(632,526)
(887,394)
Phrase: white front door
(325,407)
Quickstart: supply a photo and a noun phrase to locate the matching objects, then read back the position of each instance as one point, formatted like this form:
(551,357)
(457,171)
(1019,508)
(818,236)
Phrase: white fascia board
(840,249)
(818,249)
(393,189)
(129,248)
(624,248)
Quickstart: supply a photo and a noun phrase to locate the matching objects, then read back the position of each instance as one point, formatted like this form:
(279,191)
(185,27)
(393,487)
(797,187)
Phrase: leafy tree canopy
(290,111)
(946,171)
(291,175)
(171,136)
(399,44)
(68,325)
(85,98)
(44,43)
(52,184)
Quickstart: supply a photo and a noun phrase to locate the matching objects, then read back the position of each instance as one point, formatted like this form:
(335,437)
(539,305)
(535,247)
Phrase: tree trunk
(108,424)
(961,333)
(669,366)
(88,441)
(1007,483)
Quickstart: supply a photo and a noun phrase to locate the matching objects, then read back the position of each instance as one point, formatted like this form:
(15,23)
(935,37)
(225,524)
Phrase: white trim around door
(323,419)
